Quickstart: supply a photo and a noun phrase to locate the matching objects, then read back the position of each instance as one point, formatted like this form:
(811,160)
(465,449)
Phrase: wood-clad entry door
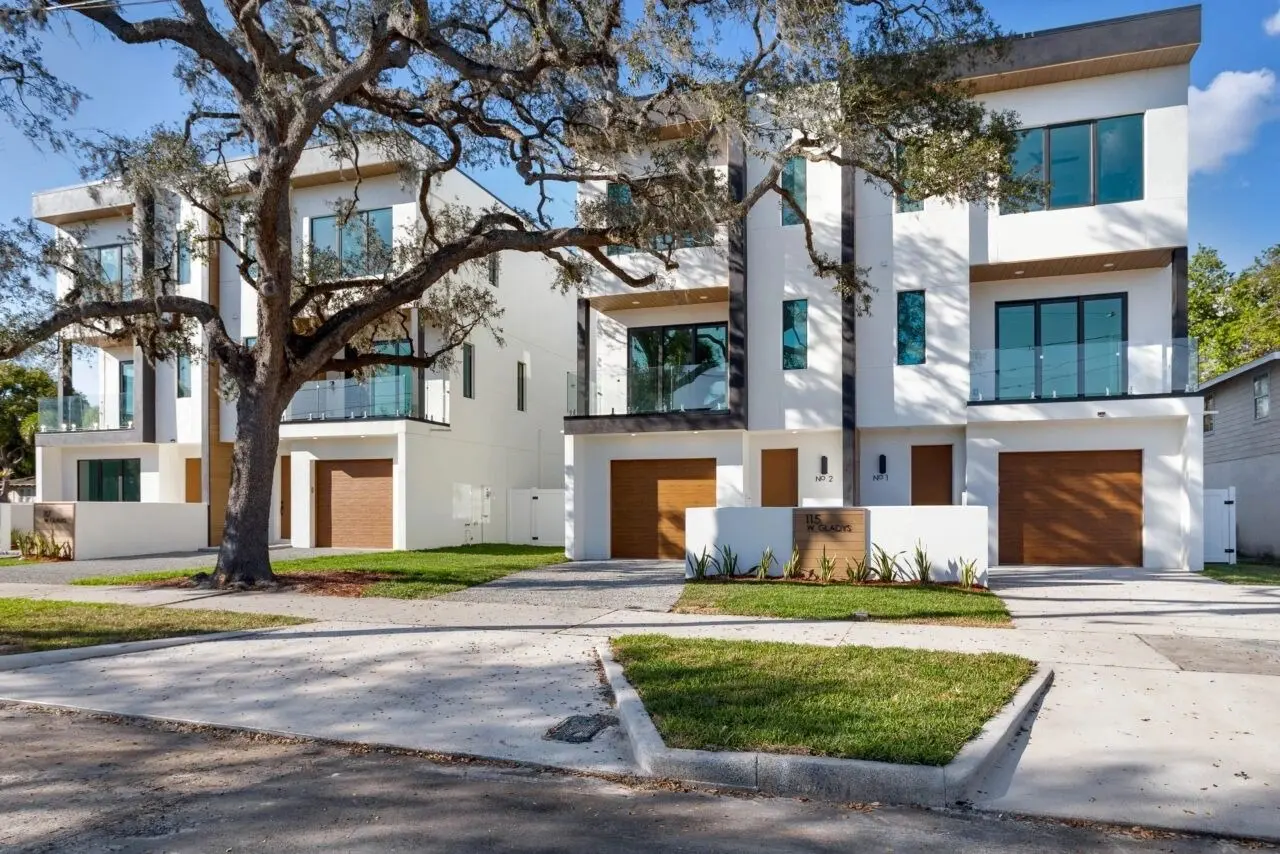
(286,497)
(780,477)
(647,500)
(191,473)
(931,474)
(1071,508)
(353,503)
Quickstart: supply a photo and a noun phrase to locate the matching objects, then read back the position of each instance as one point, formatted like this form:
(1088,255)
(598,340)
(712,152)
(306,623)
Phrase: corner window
(360,247)
(522,371)
(109,480)
(1084,163)
(183,258)
(184,376)
(795,180)
(1209,408)
(468,371)
(911,328)
(1261,396)
(795,334)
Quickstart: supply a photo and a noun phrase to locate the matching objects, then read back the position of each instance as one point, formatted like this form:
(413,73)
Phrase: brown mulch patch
(350,583)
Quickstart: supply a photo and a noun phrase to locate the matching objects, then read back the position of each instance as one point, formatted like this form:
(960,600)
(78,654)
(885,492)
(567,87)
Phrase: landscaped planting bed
(884,704)
(398,575)
(884,588)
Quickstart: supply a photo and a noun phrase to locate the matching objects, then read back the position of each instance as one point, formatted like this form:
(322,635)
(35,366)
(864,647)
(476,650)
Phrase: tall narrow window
(619,198)
(183,253)
(493,270)
(184,376)
(521,372)
(391,386)
(911,328)
(1028,162)
(795,180)
(1070,166)
(468,371)
(126,392)
(1209,408)
(1119,159)
(1261,396)
(795,334)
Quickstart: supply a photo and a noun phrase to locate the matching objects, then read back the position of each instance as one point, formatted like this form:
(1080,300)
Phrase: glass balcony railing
(1081,371)
(379,397)
(648,391)
(83,413)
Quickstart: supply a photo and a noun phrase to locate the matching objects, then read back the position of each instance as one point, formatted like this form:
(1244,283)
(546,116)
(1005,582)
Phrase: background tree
(20,390)
(560,92)
(1235,318)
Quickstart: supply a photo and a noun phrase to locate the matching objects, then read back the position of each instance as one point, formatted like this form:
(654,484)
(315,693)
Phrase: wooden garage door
(1080,508)
(647,503)
(353,503)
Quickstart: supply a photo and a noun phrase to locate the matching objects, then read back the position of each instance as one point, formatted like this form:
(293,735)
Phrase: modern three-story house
(404,459)
(1035,362)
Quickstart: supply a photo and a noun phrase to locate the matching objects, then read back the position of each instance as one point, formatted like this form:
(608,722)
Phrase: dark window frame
(183,387)
(338,229)
(126,397)
(1047,166)
(787,212)
(522,376)
(182,258)
(1079,300)
(83,489)
(663,330)
(1265,378)
(924,331)
(468,371)
(805,352)
(1210,402)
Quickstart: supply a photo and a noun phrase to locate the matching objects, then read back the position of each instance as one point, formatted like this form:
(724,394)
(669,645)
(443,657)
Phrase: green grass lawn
(942,605)
(1244,573)
(890,705)
(421,575)
(33,626)
(10,561)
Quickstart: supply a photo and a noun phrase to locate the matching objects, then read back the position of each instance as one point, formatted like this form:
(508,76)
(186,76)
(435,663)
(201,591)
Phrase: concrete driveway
(645,585)
(1176,728)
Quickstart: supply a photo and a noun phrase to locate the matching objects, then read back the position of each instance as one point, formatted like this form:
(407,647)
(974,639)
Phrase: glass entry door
(1061,348)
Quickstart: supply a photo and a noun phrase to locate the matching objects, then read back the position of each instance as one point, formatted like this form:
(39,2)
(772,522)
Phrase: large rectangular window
(468,371)
(911,328)
(184,376)
(795,334)
(521,381)
(677,368)
(391,386)
(621,211)
(1261,396)
(1061,348)
(109,480)
(111,266)
(1085,163)
(126,392)
(359,247)
(795,180)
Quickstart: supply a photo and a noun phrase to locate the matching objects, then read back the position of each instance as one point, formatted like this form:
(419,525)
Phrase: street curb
(22,661)
(826,778)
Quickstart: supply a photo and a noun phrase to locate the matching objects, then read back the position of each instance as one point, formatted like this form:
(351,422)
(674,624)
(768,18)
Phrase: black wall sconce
(822,465)
(884,464)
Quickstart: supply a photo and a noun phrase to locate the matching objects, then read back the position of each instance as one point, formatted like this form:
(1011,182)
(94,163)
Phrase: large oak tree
(558,92)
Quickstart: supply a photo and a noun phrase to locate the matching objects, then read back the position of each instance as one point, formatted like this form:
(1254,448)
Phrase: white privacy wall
(746,530)
(125,528)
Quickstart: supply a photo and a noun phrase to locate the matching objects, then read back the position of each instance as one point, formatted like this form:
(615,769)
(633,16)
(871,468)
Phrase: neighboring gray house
(1242,449)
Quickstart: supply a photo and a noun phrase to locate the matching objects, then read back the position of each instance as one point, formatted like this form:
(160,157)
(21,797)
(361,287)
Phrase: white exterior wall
(163,477)
(1159,219)
(125,528)
(815,489)
(1167,431)
(894,487)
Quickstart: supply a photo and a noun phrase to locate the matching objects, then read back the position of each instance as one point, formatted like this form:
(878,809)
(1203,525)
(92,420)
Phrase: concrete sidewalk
(1156,716)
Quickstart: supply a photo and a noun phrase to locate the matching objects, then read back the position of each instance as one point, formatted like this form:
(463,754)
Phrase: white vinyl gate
(535,517)
(1220,525)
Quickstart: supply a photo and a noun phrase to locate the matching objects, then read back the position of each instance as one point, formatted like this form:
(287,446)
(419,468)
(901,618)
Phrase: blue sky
(1235,117)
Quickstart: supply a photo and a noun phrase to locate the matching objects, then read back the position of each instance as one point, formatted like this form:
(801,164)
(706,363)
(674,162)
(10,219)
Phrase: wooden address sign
(842,531)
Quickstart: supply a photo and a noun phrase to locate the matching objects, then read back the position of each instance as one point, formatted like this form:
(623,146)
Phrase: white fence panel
(1220,525)
(535,517)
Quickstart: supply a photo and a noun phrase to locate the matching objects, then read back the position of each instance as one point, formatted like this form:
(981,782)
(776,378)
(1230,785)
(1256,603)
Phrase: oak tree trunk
(243,557)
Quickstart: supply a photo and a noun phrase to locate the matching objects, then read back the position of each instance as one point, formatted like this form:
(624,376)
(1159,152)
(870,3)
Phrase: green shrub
(968,571)
(700,564)
(791,569)
(859,570)
(921,564)
(826,567)
(767,560)
(886,565)
(728,562)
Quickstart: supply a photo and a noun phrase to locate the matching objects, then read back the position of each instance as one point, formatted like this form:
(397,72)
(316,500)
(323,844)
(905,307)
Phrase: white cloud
(1225,117)
(1272,24)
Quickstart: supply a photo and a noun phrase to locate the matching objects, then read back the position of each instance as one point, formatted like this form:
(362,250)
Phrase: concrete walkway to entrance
(1162,712)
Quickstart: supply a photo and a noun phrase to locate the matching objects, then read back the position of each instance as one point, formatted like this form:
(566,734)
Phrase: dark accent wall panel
(848,343)
(738,285)
(1181,322)
(583,402)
